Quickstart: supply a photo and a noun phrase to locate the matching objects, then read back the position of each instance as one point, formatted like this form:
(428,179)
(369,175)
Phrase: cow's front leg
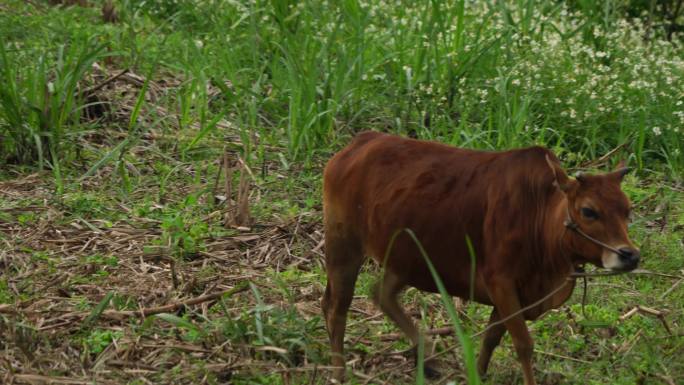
(504,295)
(490,341)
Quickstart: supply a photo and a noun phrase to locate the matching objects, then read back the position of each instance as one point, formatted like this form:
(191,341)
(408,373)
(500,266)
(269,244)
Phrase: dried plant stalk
(244,217)
(229,217)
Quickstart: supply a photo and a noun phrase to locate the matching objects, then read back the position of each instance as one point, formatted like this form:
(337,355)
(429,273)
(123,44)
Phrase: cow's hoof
(431,373)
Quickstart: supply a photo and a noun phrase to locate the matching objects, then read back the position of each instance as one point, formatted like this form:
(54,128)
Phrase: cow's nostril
(629,255)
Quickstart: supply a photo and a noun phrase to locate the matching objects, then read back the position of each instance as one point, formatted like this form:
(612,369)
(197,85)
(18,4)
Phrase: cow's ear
(620,170)
(561,178)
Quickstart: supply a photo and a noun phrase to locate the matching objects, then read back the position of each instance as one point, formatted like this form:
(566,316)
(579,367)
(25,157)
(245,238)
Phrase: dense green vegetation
(113,197)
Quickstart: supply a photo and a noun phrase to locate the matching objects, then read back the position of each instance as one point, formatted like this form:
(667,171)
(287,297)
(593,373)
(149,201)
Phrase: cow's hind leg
(490,341)
(385,296)
(343,259)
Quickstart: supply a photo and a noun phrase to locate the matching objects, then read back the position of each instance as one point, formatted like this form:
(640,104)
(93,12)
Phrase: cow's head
(598,208)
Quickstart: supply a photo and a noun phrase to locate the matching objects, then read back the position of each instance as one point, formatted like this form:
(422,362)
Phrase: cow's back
(381,183)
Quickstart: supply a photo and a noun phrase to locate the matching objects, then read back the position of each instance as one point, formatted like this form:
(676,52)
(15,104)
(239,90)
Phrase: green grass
(282,85)
(305,75)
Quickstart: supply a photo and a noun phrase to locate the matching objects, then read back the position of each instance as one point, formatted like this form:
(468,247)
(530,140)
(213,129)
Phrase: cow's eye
(589,213)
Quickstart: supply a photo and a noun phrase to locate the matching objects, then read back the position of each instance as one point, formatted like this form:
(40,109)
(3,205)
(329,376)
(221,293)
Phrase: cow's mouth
(626,260)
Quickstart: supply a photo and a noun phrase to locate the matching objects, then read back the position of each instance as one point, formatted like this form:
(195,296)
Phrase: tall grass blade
(473,267)
(111,154)
(97,310)
(258,322)
(466,343)
(177,321)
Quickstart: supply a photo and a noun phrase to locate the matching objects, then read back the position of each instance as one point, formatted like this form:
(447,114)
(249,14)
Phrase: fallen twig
(606,156)
(96,87)
(562,356)
(630,313)
(7,309)
(674,286)
(667,380)
(660,314)
(120,315)
(637,272)
(51,380)
(142,313)
(444,331)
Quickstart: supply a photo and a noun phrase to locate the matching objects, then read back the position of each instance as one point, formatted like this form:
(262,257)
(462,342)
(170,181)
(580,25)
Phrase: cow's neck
(564,239)
(560,262)
(558,244)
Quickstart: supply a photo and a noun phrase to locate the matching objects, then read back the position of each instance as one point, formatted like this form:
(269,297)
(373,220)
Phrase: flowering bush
(577,77)
(472,74)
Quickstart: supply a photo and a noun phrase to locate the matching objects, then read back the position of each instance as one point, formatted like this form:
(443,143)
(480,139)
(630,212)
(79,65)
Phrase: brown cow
(530,226)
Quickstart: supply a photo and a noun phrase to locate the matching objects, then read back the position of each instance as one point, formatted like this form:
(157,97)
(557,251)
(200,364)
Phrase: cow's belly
(456,282)
(555,301)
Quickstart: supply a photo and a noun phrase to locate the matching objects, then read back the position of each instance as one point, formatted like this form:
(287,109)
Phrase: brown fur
(510,204)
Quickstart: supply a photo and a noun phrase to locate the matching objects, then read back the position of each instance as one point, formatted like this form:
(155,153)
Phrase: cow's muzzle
(621,258)
(629,258)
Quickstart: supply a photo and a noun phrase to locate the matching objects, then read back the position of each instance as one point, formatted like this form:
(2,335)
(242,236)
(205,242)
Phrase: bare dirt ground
(161,285)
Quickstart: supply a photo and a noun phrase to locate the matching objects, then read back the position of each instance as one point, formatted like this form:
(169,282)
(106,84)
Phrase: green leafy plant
(99,339)
(41,102)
